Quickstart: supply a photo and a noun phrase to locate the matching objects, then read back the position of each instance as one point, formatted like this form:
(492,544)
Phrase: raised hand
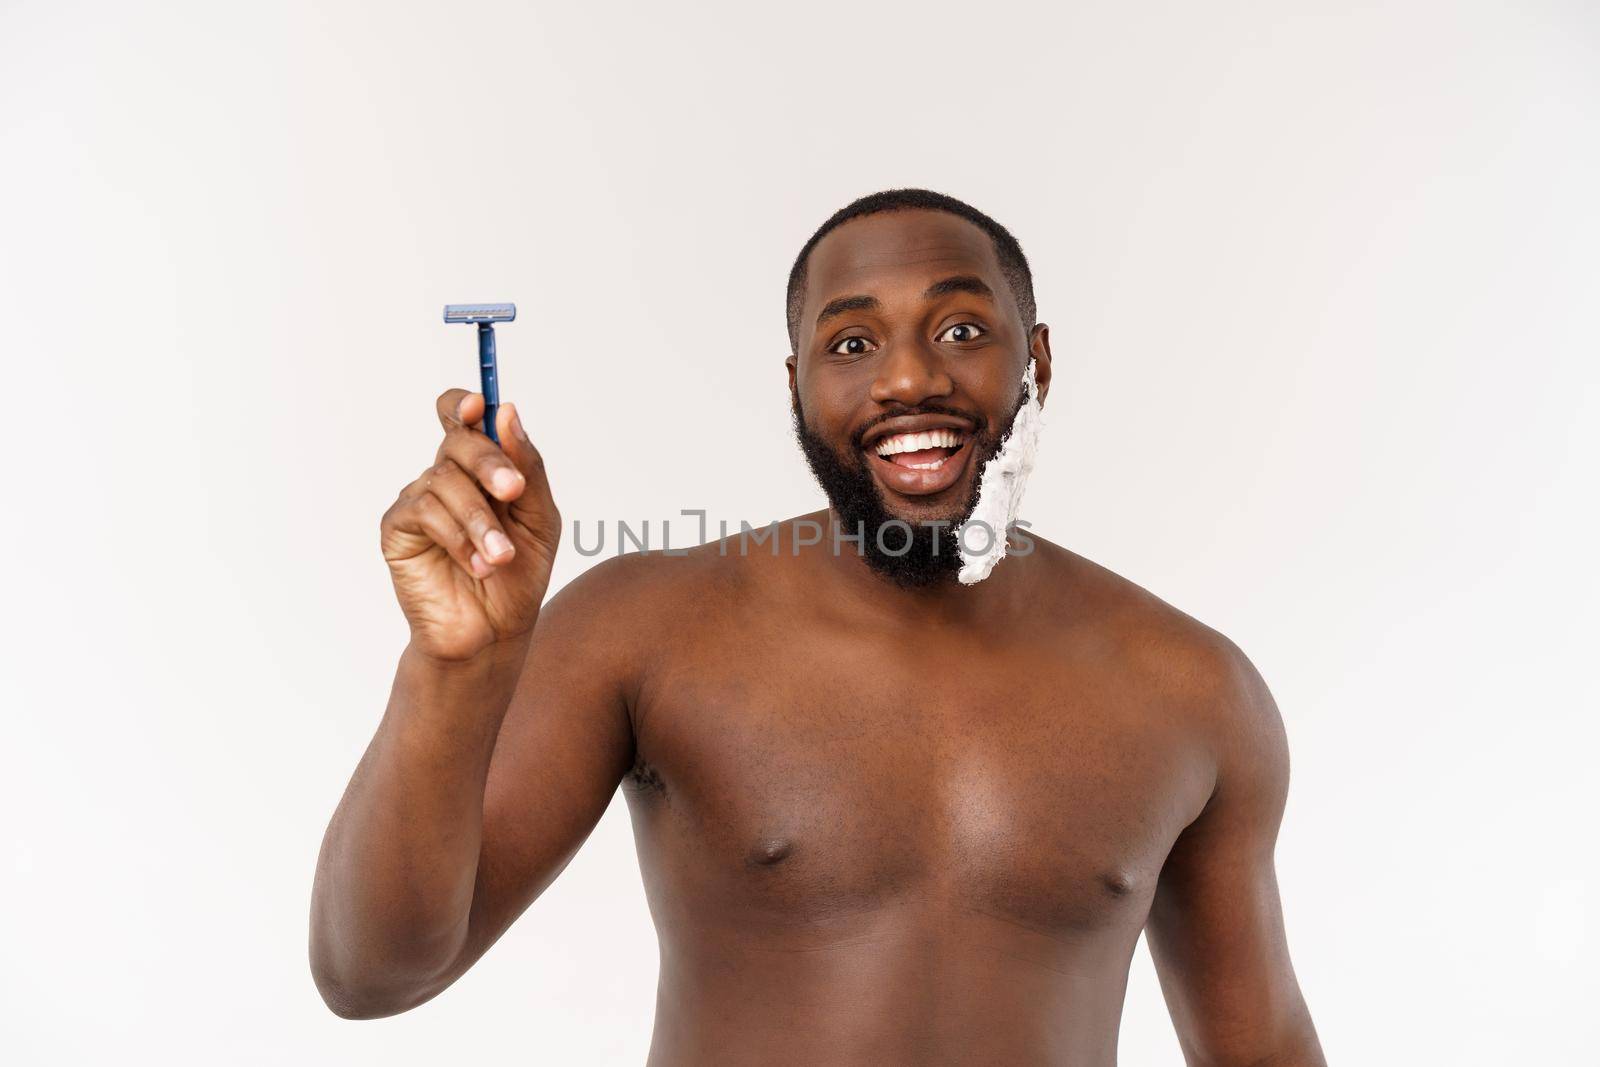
(470,543)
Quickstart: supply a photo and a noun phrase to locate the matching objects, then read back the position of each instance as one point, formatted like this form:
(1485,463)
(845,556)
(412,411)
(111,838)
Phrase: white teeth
(916,442)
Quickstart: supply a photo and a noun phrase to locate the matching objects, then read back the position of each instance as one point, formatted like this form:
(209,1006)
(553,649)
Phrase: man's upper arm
(1216,926)
(564,745)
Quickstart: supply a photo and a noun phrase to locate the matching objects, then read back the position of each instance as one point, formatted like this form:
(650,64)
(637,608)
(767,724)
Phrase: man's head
(909,313)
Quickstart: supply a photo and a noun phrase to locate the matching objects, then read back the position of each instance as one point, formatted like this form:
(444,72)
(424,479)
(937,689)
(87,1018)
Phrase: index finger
(450,407)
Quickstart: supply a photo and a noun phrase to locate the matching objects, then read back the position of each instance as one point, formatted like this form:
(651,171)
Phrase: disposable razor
(485,315)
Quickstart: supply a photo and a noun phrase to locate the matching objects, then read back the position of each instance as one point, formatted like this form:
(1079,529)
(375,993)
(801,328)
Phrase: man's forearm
(399,861)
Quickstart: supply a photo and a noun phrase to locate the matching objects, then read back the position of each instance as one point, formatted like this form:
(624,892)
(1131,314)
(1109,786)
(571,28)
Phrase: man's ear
(1039,349)
(792,362)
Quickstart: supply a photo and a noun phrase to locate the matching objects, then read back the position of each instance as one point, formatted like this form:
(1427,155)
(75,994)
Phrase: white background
(1322,282)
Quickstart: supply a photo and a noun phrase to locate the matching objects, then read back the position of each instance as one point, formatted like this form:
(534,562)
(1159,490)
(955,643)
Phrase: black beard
(934,553)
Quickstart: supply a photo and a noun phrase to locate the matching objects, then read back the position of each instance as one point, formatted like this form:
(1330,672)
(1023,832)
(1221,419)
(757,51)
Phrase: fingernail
(479,566)
(505,481)
(516,424)
(497,543)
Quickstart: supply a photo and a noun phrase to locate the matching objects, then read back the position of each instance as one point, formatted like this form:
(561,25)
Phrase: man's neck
(844,571)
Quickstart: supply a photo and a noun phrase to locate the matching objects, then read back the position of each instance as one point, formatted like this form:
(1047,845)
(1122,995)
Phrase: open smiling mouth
(922,462)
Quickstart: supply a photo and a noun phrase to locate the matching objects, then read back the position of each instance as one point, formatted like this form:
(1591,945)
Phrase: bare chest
(796,785)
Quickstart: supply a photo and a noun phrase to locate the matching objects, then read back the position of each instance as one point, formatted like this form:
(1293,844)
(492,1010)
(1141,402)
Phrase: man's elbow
(368,999)
(374,990)
(348,1003)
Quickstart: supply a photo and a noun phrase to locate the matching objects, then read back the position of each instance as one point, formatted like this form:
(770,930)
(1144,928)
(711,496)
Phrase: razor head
(480,312)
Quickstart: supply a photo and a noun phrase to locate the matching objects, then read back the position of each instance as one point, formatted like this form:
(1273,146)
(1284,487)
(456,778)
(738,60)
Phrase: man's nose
(909,374)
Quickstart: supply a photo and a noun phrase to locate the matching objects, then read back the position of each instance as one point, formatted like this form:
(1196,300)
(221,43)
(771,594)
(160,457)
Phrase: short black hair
(1013,264)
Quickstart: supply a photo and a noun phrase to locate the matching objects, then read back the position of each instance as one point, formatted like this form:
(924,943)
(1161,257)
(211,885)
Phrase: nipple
(770,851)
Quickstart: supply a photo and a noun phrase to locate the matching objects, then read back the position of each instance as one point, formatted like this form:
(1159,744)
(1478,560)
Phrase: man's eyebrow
(846,303)
(960,283)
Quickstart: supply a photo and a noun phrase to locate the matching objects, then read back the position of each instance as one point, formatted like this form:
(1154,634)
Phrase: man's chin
(948,514)
(871,501)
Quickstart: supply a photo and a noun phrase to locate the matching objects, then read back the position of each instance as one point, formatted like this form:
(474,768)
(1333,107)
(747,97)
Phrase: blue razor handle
(486,374)
(485,316)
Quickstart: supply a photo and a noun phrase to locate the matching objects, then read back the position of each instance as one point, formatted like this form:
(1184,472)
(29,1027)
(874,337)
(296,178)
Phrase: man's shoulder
(648,589)
(1147,637)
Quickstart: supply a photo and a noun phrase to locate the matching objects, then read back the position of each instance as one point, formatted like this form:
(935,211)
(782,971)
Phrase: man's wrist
(491,659)
(460,691)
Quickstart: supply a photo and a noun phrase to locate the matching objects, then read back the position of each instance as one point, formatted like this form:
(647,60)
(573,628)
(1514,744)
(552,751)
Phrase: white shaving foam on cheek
(1000,490)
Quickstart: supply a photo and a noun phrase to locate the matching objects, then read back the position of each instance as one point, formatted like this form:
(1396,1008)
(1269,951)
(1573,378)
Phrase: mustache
(980,425)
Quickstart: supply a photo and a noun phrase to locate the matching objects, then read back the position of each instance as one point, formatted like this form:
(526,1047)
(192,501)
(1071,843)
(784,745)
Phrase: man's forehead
(908,247)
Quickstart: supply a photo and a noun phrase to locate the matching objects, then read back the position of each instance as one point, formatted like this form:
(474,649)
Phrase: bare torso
(881,817)
(870,840)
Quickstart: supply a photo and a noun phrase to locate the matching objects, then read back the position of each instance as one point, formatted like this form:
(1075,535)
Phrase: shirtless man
(883,817)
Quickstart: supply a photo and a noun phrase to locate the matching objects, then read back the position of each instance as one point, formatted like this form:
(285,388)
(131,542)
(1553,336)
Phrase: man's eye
(852,346)
(961,333)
